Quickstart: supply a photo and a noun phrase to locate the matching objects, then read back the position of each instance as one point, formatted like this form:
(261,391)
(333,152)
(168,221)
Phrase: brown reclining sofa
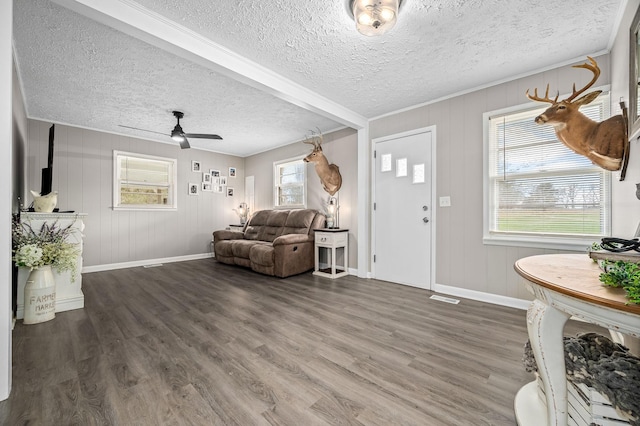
(274,242)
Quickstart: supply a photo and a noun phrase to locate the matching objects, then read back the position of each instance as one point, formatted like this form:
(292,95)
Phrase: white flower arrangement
(47,246)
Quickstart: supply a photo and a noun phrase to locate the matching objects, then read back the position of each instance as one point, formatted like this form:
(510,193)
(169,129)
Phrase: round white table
(564,285)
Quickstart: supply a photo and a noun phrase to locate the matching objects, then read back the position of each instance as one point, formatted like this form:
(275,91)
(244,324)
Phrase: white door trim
(429,129)
(7,197)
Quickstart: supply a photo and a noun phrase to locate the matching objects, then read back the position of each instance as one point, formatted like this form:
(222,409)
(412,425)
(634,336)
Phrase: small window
(538,190)
(144,182)
(290,184)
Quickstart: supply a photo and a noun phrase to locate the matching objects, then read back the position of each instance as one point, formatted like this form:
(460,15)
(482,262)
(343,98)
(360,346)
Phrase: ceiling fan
(177,134)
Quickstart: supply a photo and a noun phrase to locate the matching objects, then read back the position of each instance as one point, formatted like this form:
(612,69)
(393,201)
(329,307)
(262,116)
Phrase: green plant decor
(625,275)
(47,246)
(594,247)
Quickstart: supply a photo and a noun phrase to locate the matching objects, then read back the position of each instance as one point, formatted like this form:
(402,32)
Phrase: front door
(402,209)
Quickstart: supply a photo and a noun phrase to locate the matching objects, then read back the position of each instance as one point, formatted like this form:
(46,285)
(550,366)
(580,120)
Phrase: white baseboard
(62,305)
(136,263)
(71,303)
(480,296)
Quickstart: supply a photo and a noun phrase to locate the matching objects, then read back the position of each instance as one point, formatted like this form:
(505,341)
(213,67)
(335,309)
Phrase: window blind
(144,181)
(540,187)
(290,184)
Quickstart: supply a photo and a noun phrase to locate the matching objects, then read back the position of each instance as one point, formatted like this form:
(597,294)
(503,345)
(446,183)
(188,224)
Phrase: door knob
(425,220)
(425,208)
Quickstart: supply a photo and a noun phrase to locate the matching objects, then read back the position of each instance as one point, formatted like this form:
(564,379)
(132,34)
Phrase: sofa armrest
(292,239)
(223,234)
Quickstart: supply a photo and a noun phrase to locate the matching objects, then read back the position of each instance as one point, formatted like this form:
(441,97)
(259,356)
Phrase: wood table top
(575,275)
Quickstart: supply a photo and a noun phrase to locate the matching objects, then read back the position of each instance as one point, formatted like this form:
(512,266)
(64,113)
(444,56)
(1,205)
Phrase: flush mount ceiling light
(374,17)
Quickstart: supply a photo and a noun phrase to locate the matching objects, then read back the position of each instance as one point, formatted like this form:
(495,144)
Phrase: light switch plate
(445,201)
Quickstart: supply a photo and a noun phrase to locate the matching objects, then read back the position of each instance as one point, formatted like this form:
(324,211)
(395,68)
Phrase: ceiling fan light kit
(177,134)
(374,17)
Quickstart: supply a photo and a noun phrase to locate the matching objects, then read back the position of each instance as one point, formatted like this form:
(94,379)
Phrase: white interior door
(249,193)
(402,210)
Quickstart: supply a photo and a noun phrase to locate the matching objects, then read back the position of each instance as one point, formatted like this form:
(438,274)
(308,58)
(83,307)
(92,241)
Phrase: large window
(144,182)
(536,189)
(290,184)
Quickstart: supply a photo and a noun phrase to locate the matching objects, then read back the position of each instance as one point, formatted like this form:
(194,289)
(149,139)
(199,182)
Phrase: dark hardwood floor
(201,343)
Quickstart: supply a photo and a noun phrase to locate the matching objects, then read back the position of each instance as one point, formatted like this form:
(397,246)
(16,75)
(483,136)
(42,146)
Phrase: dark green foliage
(623,274)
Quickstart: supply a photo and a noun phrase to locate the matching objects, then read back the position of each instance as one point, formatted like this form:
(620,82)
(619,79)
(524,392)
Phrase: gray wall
(462,260)
(340,148)
(18,148)
(83,177)
(19,145)
(626,207)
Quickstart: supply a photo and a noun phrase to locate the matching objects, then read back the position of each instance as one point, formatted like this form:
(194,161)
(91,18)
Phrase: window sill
(292,207)
(146,209)
(580,244)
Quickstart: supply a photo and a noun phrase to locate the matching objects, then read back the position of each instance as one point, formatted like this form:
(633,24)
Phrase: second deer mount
(329,174)
(605,143)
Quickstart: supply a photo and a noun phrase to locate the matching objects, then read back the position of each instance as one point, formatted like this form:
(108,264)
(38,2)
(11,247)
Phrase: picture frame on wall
(214,173)
(229,192)
(195,166)
(206,177)
(194,189)
(218,189)
(206,186)
(222,180)
(232,172)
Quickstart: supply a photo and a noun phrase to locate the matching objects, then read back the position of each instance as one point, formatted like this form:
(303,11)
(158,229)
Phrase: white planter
(40,296)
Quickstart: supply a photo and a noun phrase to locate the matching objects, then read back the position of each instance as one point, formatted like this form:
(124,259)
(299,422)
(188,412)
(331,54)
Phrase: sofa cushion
(266,225)
(262,255)
(241,248)
(298,222)
(224,248)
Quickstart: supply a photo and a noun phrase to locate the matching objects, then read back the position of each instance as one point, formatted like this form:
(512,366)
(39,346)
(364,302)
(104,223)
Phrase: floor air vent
(445,299)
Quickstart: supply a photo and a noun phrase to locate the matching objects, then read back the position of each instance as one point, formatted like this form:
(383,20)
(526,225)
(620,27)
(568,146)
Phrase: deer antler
(315,139)
(593,67)
(546,98)
(310,141)
(318,137)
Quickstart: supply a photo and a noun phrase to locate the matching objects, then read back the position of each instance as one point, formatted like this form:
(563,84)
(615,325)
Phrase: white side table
(333,242)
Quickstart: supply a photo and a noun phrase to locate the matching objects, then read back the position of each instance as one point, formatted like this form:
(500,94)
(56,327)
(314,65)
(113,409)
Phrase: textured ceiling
(77,71)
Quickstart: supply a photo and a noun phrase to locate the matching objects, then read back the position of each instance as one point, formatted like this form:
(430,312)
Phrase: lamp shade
(375,17)
(332,207)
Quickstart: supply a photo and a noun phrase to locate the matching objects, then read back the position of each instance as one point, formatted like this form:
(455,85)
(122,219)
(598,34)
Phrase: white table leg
(333,260)
(545,325)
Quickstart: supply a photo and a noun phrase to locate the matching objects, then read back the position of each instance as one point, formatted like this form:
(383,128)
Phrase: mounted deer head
(603,143)
(329,174)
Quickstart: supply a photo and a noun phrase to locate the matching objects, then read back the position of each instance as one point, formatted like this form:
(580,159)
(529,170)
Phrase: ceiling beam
(144,24)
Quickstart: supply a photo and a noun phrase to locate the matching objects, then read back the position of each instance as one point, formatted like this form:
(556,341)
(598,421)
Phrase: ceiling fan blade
(185,143)
(144,130)
(202,136)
